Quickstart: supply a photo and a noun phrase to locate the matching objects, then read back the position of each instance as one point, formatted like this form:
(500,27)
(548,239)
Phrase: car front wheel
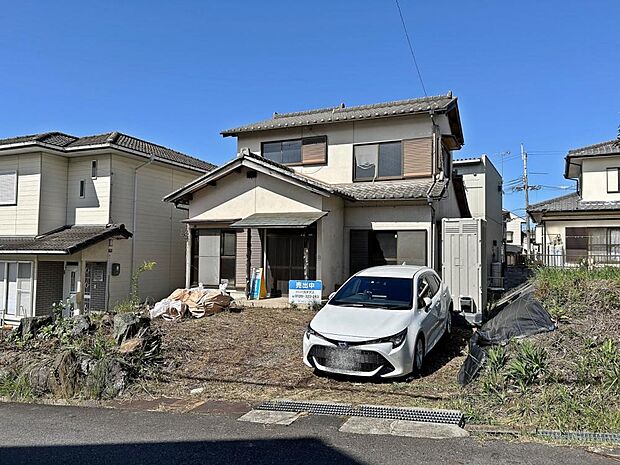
(418,356)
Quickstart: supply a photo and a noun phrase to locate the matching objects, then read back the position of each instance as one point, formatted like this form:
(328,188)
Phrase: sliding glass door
(16,289)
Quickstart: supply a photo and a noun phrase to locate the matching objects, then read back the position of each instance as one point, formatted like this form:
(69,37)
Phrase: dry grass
(256,355)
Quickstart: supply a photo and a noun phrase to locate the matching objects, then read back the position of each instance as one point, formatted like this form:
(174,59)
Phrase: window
(378,161)
(82,189)
(8,187)
(228,256)
(375,292)
(307,151)
(601,245)
(16,288)
(510,236)
(613,180)
(93,169)
(375,248)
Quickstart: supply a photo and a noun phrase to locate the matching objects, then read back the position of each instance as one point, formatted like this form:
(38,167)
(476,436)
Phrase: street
(43,434)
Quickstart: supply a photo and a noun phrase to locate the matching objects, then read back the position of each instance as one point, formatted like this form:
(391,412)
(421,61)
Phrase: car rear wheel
(418,355)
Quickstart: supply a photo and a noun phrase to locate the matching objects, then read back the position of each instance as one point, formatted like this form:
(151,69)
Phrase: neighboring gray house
(483,187)
(79,214)
(321,194)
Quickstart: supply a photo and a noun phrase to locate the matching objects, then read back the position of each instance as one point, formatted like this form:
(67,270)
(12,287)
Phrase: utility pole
(526,188)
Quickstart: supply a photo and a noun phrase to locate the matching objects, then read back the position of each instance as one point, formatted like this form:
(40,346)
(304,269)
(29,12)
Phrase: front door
(70,286)
(95,286)
(291,254)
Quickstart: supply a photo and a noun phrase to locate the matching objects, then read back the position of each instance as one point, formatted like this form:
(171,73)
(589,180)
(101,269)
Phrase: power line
(415,62)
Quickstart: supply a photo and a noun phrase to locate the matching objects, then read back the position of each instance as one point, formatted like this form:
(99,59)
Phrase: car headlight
(312,332)
(397,340)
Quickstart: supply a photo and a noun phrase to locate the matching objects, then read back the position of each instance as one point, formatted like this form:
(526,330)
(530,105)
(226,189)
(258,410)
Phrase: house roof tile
(602,148)
(66,240)
(572,203)
(67,143)
(341,113)
(393,190)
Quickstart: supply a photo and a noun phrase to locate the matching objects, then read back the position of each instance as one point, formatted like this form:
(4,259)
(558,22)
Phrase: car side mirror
(425,303)
(332,295)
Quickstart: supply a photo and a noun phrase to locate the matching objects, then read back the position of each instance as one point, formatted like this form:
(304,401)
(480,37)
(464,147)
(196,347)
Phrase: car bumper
(366,360)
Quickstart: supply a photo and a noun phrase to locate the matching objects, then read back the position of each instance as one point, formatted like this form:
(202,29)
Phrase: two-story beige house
(321,194)
(584,225)
(78,215)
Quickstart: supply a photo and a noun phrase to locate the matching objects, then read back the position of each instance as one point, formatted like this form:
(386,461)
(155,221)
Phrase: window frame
(301,153)
(94,166)
(617,170)
(379,178)
(13,202)
(82,189)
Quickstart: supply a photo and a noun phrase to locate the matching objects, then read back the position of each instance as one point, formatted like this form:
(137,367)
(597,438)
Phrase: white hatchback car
(381,322)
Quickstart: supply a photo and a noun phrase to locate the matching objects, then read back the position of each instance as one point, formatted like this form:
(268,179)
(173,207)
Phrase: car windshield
(375,292)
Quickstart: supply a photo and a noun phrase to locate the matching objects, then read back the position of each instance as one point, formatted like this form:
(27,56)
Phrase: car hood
(355,323)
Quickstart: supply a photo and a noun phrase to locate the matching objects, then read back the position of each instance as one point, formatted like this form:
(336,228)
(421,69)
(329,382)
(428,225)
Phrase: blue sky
(176,73)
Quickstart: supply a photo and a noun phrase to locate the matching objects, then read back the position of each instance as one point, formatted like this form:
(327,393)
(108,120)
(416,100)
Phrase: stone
(81,325)
(197,391)
(131,345)
(412,429)
(105,380)
(270,417)
(63,378)
(32,324)
(128,325)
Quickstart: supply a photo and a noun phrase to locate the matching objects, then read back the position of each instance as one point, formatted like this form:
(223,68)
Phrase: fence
(574,259)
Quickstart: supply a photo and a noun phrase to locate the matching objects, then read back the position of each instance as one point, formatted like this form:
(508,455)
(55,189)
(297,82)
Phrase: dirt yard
(256,355)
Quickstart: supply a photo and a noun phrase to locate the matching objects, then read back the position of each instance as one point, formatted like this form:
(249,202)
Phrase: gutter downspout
(135,203)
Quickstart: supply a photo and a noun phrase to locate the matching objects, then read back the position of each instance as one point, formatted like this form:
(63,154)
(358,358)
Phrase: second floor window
(8,188)
(82,189)
(613,180)
(378,161)
(306,151)
(93,169)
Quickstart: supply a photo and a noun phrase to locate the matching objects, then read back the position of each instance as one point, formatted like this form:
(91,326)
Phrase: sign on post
(304,292)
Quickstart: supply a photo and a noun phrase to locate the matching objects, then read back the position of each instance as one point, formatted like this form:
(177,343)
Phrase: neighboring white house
(514,237)
(321,194)
(79,214)
(483,188)
(584,225)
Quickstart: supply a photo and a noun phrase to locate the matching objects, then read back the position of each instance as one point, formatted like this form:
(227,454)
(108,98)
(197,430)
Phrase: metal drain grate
(317,408)
(452,417)
(580,436)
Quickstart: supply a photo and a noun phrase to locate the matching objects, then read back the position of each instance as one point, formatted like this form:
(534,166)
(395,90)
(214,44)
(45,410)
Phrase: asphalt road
(43,434)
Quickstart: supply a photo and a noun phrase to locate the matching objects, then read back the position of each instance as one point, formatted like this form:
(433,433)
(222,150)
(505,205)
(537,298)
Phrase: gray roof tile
(66,143)
(571,203)
(67,240)
(386,190)
(602,148)
(340,114)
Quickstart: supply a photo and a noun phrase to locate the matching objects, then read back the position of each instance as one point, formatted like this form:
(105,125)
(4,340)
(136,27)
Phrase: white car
(381,322)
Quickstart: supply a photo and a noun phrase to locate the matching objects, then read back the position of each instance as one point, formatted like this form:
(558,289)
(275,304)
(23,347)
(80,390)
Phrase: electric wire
(415,62)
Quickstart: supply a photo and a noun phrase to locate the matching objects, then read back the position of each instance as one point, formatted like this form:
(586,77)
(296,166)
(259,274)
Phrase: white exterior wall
(483,190)
(53,210)
(23,218)
(515,225)
(236,196)
(158,234)
(94,208)
(594,178)
(341,138)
